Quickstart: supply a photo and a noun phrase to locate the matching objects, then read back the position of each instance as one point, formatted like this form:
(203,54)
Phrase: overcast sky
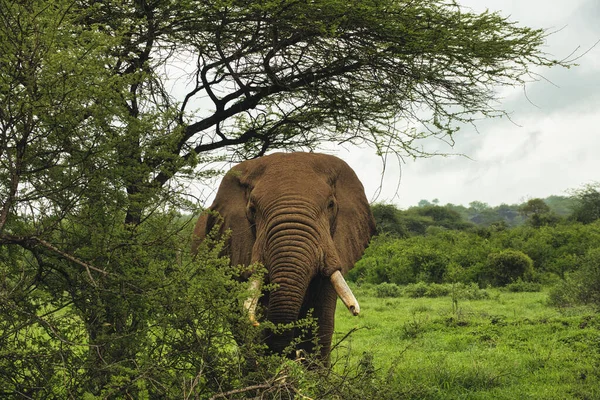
(551,145)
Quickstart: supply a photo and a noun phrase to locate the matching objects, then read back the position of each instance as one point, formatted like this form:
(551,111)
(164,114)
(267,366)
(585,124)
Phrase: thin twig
(242,390)
(69,257)
(350,332)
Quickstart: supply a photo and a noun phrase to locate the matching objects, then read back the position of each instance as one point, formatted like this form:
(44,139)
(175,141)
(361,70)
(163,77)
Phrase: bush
(582,286)
(437,290)
(416,290)
(469,291)
(506,267)
(388,220)
(563,294)
(428,261)
(588,278)
(387,290)
(522,286)
(422,289)
(383,261)
(459,290)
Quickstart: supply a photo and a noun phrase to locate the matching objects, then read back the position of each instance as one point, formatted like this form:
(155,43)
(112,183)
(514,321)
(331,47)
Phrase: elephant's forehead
(298,181)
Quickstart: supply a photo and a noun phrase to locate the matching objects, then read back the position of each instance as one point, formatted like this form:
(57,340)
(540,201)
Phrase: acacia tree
(294,74)
(107,108)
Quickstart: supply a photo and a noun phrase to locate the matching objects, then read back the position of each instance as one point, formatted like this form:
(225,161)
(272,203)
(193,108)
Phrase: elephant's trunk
(285,301)
(291,261)
(296,246)
(290,251)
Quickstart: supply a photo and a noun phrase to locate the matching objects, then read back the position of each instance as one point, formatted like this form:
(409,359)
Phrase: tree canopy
(172,86)
(587,203)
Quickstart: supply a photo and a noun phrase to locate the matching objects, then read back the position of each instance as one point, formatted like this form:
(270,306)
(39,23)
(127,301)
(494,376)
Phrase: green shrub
(422,289)
(588,278)
(582,286)
(522,286)
(383,261)
(416,290)
(387,290)
(437,290)
(428,261)
(548,279)
(506,267)
(470,291)
(459,290)
(564,294)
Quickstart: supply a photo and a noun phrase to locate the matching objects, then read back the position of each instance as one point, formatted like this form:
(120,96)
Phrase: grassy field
(507,346)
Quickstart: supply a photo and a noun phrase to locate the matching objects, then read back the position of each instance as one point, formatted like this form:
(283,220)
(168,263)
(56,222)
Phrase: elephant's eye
(331,205)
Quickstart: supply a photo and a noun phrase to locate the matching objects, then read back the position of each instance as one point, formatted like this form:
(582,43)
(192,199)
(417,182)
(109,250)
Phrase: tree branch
(29,242)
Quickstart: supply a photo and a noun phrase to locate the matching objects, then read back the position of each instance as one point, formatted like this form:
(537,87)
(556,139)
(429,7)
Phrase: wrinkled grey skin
(303,216)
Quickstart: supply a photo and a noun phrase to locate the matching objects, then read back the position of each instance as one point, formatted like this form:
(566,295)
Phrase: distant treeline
(582,206)
(552,241)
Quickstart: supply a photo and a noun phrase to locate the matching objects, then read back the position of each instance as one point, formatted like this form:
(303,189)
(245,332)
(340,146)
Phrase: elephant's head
(305,217)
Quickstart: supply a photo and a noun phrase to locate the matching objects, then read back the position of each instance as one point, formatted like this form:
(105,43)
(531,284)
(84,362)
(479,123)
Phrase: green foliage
(470,291)
(588,278)
(383,262)
(506,267)
(560,205)
(170,319)
(534,206)
(414,290)
(454,256)
(523,286)
(457,290)
(556,249)
(443,217)
(386,289)
(587,203)
(422,289)
(564,294)
(416,220)
(388,220)
(441,256)
(548,211)
(538,213)
(581,286)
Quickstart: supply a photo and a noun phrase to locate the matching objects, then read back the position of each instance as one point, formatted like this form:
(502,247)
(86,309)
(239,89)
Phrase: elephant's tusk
(342,289)
(252,301)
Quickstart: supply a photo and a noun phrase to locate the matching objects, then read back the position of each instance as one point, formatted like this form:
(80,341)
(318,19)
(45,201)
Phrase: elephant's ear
(229,210)
(355,223)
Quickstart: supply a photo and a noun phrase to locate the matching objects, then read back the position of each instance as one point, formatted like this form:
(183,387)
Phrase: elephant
(306,219)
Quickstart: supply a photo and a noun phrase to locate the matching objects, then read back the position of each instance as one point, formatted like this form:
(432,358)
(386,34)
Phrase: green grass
(510,346)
